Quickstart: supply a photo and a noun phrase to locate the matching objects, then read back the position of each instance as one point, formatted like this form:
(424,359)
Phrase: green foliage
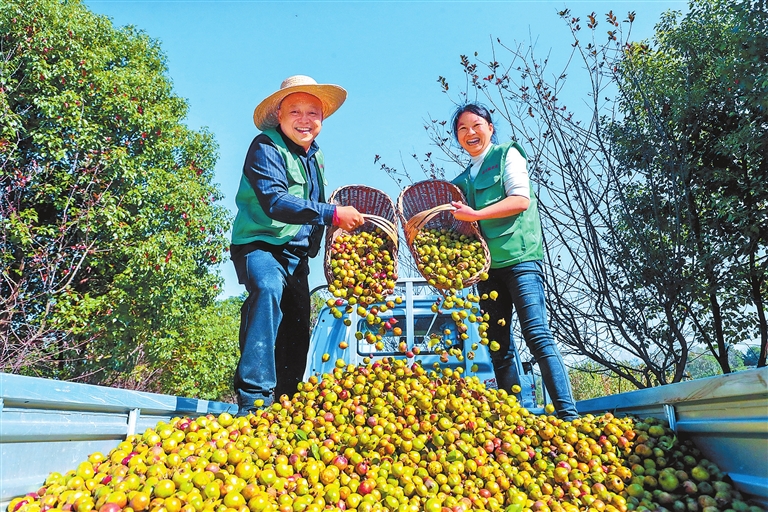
(590,380)
(652,186)
(110,229)
(703,364)
(316,302)
(693,147)
(751,356)
(206,354)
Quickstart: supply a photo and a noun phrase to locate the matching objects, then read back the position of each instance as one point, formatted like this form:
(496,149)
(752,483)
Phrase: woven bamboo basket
(426,205)
(377,209)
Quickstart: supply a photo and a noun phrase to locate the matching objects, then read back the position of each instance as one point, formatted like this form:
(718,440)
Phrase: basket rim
(367,188)
(406,192)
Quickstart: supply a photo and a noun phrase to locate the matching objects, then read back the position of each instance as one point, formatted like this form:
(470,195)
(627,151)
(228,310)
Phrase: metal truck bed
(48,425)
(725,416)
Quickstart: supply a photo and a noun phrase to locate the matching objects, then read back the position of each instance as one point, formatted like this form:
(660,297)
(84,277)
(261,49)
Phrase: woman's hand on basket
(348,218)
(463,212)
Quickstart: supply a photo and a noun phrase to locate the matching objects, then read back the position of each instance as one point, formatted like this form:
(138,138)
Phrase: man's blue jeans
(521,287)
(274,325)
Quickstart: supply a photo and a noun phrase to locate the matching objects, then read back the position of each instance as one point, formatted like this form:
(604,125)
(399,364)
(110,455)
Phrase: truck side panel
(48,425)
(725,416)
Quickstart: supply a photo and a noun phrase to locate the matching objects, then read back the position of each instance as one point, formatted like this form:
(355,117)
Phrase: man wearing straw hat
(281,211)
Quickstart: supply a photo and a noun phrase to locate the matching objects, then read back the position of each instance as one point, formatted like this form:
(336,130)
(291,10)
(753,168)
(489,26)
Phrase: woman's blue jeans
(274,325)
(521,287)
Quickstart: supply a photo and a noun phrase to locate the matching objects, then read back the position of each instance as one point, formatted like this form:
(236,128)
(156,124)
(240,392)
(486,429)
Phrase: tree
(701,363)
(751,356)
(624,285)
(205,353)
(571,170)
(589,380)
(695,129)
(109,227)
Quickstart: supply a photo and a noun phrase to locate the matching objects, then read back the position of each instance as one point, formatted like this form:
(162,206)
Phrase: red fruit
(366,486)
(340,462)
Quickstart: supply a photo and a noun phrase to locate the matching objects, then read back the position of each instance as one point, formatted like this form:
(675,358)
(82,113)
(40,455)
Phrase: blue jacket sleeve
(265,171)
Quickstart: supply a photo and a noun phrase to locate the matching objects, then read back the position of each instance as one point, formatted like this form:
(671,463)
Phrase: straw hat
(331,96)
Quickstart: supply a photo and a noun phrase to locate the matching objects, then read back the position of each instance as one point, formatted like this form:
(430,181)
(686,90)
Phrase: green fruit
(668,481)
(700,474)
(446,258)
(397,435)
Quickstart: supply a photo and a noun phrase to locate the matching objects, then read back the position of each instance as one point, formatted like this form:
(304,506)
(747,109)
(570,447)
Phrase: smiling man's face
(301,118)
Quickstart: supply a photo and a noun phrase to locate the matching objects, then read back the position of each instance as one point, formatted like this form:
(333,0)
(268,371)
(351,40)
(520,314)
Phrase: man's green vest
(251,223)
(511,240)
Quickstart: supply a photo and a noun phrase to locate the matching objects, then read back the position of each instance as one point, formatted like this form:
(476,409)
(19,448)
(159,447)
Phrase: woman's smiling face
(473,133)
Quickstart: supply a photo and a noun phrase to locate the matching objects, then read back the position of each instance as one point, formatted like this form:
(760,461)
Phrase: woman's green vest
(251,223)
(511,240)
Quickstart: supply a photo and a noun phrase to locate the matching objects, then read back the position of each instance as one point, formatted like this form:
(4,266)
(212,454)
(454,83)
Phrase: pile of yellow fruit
(395,437)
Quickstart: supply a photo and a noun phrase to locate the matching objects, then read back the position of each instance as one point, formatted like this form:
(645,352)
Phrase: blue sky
(224,57)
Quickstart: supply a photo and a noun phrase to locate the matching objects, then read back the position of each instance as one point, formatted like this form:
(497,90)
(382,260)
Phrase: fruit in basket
(448,259)
(407,438)
(362,266)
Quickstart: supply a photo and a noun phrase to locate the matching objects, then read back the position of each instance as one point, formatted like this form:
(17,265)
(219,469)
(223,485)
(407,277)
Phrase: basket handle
(382,223)
(418,221)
